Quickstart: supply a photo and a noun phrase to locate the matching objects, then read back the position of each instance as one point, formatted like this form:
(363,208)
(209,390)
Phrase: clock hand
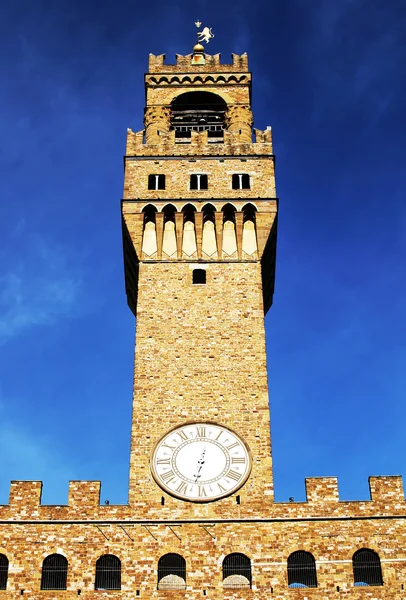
(200,463)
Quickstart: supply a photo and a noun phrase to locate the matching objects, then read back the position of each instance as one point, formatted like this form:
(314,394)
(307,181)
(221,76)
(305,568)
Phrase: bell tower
(199,230)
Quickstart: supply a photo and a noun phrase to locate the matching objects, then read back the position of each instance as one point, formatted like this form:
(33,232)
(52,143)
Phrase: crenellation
(183,64)
(84,494)
(387,490)
(320,490)
(25,497)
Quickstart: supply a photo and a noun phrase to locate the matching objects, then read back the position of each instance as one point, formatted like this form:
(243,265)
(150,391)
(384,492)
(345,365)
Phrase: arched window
(237,571)
(3,571)
(108,573)
(198,111)
(54,572)
(367,568)
(171,572)
(301,570)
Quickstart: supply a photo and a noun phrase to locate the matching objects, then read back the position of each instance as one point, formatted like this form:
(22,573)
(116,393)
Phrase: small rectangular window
(199,276)
(156,182)
(198,182)
(241,181)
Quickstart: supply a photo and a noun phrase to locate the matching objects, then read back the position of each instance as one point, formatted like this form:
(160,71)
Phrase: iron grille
(108,573)
(172,572)
(54,572)
(301,570)
(367,568)
(237,571)
(3,571)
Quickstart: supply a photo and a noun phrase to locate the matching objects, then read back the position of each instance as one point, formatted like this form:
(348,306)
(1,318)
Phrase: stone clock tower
(199,231)
(199,223)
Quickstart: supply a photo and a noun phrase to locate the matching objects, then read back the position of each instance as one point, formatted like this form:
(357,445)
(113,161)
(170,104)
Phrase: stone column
(239,120)
(157,122)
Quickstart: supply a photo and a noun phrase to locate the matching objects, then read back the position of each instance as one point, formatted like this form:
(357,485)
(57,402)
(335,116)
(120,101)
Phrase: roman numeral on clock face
(236,460)
(233,475)
(182,488)
(182,435)
(163,461)
(201,431)
(168,476)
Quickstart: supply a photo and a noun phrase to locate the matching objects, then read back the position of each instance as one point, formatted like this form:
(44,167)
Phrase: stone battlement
(167,144)
(156,64)
(322,500)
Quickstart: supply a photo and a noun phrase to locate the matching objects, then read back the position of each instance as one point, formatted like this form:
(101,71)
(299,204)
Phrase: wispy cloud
(39,289)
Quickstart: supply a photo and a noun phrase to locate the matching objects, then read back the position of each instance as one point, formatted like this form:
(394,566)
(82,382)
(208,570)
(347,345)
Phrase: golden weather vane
(205,34)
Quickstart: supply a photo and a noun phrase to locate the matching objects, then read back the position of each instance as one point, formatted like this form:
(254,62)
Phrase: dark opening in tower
(198,111)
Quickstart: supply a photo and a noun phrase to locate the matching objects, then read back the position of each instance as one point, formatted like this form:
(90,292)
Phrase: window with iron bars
(54,572)
(198,182)
(367,568)
(3,571)
(302,570)
(171,572)
(156,182)
(241,181)
(237,571)
(108,573)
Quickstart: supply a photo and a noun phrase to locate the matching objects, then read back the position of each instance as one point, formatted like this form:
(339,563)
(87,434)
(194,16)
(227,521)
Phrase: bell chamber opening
(198,111)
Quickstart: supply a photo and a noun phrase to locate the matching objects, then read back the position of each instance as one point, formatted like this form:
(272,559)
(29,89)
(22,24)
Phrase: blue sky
(329,78)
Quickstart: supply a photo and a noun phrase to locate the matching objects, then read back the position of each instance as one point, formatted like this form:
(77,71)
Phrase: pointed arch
(149,213)
(169,211)
(301,570)
(237,571)
(171,572)
(228,211)
(189,212)
(108,573)
(54,572)
(149,241)
(367,568)
(209,240)
(208,211)
(249,211)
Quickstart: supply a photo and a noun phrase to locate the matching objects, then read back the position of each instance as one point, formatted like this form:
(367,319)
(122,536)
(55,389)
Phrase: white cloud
(38,289)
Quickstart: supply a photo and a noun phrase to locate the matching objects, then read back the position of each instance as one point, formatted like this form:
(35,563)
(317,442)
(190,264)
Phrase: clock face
(201,462)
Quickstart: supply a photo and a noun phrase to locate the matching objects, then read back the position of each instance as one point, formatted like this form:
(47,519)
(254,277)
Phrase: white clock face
(201,462)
